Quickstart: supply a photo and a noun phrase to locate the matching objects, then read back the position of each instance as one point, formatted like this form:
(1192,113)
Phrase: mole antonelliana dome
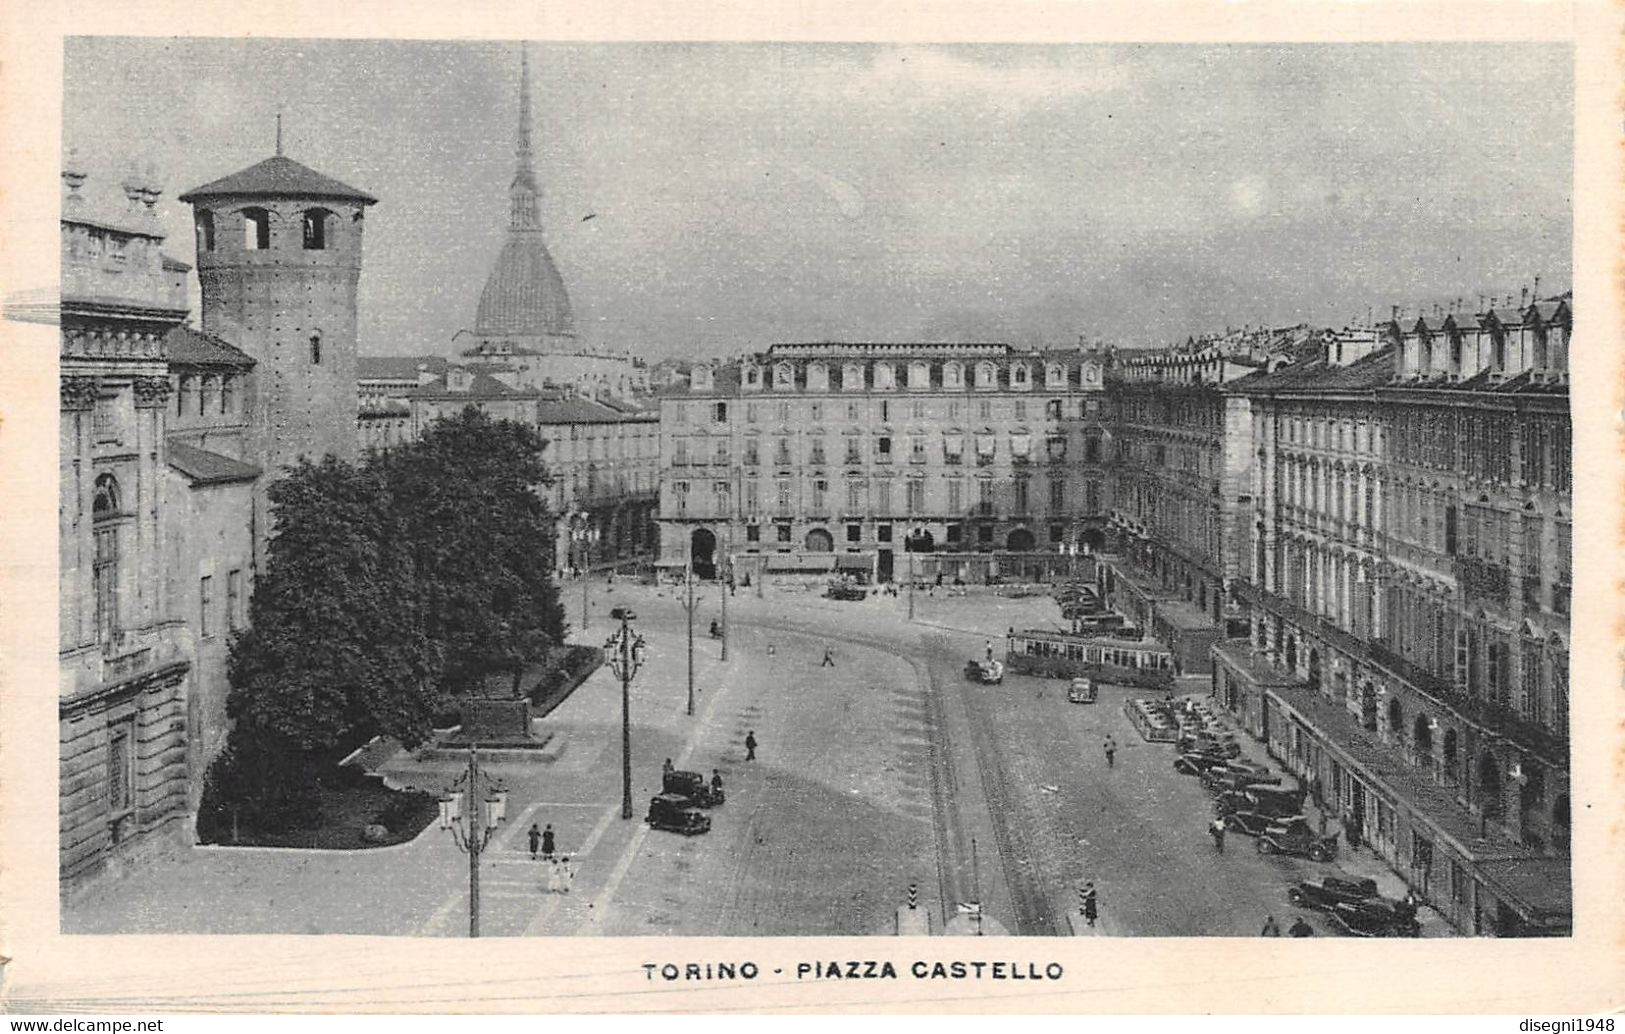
(524,297)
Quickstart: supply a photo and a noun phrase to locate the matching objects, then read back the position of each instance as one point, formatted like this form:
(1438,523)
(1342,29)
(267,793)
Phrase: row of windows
(256,227)
(915,375)
(859,493)
(203,395)
(820,540)
(235,615)
(984,448)
(885,410)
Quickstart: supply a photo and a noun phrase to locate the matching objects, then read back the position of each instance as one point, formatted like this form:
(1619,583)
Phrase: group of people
(543,847)
(1299,928)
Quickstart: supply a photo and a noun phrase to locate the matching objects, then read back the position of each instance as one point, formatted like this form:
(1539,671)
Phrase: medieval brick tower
(279,260)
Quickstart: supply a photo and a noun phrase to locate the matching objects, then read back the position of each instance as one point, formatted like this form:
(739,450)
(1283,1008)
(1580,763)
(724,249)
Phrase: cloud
(1021,78)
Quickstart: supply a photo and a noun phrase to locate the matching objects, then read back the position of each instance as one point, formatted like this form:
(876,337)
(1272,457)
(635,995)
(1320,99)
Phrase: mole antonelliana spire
(524,301)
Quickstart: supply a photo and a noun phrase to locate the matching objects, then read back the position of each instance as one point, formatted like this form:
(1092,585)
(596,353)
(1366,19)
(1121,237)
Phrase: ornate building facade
(966,462)
(1406,580)
(126,656)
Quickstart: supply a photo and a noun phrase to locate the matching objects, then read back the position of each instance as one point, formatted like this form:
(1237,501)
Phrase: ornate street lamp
(624,650)
(471,826)
(688,605)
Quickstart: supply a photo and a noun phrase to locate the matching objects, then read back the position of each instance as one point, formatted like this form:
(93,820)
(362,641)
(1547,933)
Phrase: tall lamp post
(688,605)
(625,651)
(485,810)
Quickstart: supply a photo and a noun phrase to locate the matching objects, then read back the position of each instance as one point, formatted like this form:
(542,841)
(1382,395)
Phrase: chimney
(1523,296)
(135,188)
(1536,291)
(73,176)
(150,191)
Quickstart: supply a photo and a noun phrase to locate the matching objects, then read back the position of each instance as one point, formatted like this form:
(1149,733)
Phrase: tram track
(1029,902)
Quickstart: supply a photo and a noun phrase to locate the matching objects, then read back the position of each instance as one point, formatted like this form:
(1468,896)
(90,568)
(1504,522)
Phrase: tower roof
(278,176)
(524,295)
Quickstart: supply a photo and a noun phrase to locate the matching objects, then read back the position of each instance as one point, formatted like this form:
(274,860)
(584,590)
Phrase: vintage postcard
(818,514)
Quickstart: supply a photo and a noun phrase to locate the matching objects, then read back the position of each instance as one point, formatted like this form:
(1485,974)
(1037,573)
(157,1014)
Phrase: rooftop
(278,176)
(203,467)
(192,347)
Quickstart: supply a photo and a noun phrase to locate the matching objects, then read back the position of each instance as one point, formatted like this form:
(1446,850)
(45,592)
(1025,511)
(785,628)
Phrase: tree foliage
(479,539)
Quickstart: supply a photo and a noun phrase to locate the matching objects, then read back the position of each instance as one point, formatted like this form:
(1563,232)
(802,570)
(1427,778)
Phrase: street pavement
(884,770)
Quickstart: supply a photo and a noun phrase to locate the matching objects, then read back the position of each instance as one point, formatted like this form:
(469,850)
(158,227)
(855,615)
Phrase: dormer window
(1018,375)
(753,376)
(851,377)
(953,375)
(256,229)
(784,376)
(1054,376)
(315,229)
(919,375)
(986,376)
(884,376)
(817,377)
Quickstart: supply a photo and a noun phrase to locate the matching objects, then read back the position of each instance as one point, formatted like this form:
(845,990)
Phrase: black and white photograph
(536,489)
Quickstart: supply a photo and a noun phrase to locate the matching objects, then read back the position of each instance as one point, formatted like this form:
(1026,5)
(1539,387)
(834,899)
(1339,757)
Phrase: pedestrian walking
(716,781)
(829,658)
(667,768)
(1301,928)
(1271,928)
(1216,830)
(547,842)
(535,838)
(750,745)
(990,651)
(1111,751)
(567,875)
(770,650)
(1091,903)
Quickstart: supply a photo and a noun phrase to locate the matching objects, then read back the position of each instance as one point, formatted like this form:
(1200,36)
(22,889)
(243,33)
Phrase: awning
(853,562)
(785,563)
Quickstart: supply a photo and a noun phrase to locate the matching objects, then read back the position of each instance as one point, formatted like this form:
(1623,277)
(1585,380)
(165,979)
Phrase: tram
(1126,662)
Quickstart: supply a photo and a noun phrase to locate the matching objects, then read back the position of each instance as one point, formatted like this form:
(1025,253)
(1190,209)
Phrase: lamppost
(688,605)
(484,811)
(725,584)
(625,651)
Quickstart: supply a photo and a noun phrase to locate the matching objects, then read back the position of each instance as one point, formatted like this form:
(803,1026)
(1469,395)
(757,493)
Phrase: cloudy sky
(751,193)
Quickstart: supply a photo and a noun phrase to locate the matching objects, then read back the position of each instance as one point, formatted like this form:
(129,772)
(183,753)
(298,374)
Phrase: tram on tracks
(1126,662)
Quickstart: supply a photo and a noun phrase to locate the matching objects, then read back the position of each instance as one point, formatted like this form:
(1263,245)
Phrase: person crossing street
(1111,751)
(547,842)
(750,745)
(1216,830)
(535,838)
(829,658)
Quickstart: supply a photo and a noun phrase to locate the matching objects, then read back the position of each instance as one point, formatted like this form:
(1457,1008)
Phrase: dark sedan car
(1375,917)
(1197,762)
(676,814)
(1295,837)
(1250,823)
(1269,800)
(693,786)
(1234,775)
(1325,893)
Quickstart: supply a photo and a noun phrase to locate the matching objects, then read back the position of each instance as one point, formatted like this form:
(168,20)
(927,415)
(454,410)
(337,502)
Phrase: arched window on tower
(256,229)
(315,228)
(205,231)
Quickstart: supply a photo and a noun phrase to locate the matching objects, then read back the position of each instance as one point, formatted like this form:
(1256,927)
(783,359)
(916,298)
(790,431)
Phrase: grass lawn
(345,815)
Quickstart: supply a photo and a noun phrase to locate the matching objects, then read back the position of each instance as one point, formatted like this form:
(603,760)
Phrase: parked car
(1269,800)
(1081,691)
(1233,776)
(1205,739)
(846,591)
(1323,893)
(1250,823)
(693,786)
(988,672)
(1295,837)
(1194,762)
(1375,917)
(676,814)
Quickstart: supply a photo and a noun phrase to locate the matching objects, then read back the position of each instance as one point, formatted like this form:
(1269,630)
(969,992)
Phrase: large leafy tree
(466,506)
(338,649)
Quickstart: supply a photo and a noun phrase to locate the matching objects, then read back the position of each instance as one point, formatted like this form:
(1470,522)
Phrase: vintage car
(693,786)
(1375,917)
(676,814)
(1250,823)
(1234,776)
(1294,836)
(1195,762)
(1205,739)
(1328,891)
(1081,691)
(1267,800)
(988,672)
(846,591)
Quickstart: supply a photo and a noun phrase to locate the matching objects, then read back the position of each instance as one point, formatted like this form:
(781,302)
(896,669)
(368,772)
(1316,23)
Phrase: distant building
(524,319)
(978,461)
